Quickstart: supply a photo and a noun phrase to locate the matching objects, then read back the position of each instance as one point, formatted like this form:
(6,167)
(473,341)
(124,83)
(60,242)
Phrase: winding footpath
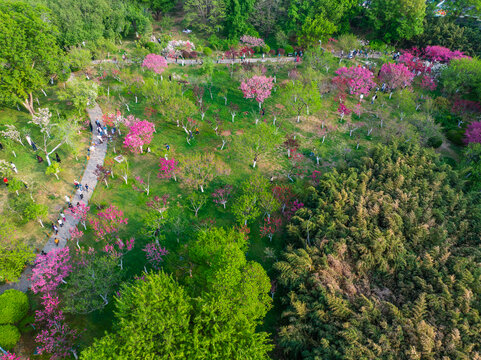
(97,157)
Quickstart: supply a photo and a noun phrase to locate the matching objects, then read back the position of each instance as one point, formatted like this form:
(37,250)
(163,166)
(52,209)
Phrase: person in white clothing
(14,167)
(28,140)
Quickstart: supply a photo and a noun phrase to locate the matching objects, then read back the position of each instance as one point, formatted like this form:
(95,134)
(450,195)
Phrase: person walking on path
(60,222)
(57,157)
(62,215)
(55,228)
(86,187)
(67,199)
(5,181)
(56,242)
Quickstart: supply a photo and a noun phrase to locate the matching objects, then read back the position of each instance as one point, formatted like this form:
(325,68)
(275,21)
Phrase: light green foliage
(396,20)
(237,15)
(35,211)
(394,256)
(255,195)
(80,92)
(78,58)
(315,29)
(213,316)
(463,76)
(13,306)
(28,45)
(14,253)
(91,283)
(158,7)
(9,336)
(54,169)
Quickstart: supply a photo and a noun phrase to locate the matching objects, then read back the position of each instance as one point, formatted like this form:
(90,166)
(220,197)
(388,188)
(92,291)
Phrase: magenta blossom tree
(108,223)
(428,83)
(473,133)
(252,41)
(159,204)
(79,212)
(50,270)
(140,134)
(168,169)
(119,249)
(155,254)
(396,75)
(270,227)
(55,337)
(222,194)
(258,87)
(442,54)
(154,62)
(76,235)
(10,356)
(356,79)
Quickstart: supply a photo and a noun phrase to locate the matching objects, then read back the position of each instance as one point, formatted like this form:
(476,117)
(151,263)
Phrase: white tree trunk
(41,223)
(201,188)
(254,164)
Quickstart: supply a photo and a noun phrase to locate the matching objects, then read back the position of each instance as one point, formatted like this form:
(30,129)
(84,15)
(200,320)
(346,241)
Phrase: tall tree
(237,15)
(205,15)
(28,51)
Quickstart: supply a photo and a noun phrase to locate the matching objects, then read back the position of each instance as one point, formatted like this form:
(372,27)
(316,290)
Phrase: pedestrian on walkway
(5,181)
(67,199)
(57,157)
(62,215)
(91,127)
(81,196)
(55,228)
(60,222)
(86,187)
(14,168)
(56,242)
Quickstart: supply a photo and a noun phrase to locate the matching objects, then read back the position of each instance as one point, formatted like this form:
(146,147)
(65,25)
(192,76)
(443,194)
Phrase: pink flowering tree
(343,110)
(442,54)
(142,185)
(356,79)
(50,270)
(258,87)
(396,76)
(76,235)
(252,41)
(270,227)
(222,195)
(119,249)
(154,62)
(108,223)
(55,337)
(473,133)
(10,356)
(79,212)
(155,254)
(140,134)
(168,169)
(159,204)
(283,194)
(428,83)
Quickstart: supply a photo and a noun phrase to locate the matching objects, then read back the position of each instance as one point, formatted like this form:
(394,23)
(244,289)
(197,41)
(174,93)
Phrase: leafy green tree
(463,76)
(92,281)
(388,252)
(78,58)
(395,20)
(472,164)
(81,93)
(237,15)
(245,208)
(315,29)
(14,253)
(205,15)
(28,45)
(463,7)
(212,316)
(158,7)
(35,211)
(54,169)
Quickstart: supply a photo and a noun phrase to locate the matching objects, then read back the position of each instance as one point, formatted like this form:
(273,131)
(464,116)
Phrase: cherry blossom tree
(196,201)
(79,212)
(270,227)
(10,356)
(55,337)
(140,134)
(75,235)
(12,133)
(159,204)
(108,223)
(199,170)
(102,173)
(168,169)
(258,87)
(284,195)
(119,248)
(358,80)
(396,75)
(221,195)
(252,41)
(343,110)
(155,254)
(154,62)
(142,185)
(442,54)
(50,270)
(428,83)
(473,133)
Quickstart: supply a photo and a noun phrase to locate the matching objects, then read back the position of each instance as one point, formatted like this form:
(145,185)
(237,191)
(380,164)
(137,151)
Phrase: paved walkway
(96,158)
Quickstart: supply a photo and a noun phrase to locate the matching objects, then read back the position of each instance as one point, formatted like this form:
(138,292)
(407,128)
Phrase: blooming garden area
(316,200)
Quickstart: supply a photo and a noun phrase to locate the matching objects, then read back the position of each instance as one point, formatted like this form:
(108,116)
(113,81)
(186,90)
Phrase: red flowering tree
(154,62)
(119,249)
(168,169)
(356,79)
(108,223)
(258,87)
(396,75)
(222,194)
(428,83)
(140,134)
(10,356)
(270,227)
(50,270)
(155,254)
(473,133)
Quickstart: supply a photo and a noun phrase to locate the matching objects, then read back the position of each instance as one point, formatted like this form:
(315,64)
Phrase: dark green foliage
(393,265)
(9,336)
(13,306)
(472,163)
(456,136)
(435,141)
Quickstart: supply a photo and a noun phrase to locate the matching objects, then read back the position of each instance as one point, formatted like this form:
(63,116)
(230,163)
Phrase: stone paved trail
(96,158)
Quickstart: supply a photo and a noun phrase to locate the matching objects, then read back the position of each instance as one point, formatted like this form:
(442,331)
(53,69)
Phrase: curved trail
(97,157)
